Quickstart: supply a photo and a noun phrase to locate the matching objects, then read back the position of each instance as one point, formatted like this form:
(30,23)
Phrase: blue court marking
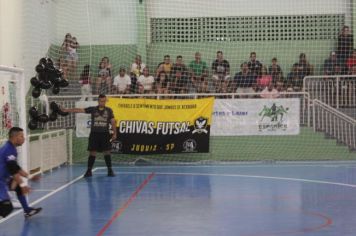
(243,200)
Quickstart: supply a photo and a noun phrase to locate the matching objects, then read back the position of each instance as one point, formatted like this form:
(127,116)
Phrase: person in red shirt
(351,61)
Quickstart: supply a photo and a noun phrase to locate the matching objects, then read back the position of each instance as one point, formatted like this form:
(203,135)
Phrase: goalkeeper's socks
(91,161)
(24,204)
(109,165)
(108,161)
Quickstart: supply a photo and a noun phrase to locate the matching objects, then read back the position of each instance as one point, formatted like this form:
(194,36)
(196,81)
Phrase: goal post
(13,106)
(42,150)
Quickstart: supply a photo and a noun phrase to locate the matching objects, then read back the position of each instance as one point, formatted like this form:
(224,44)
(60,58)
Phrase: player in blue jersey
(11,175)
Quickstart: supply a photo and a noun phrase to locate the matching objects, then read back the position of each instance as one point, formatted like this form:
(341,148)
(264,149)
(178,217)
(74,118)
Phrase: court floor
(305,199)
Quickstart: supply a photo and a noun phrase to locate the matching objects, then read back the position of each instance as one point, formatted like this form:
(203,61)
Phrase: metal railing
(336,91)
(48,150)
(334,124)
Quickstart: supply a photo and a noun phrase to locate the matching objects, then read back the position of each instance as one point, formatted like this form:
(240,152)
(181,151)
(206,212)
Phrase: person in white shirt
(85,81)
(145,82)
(122,82)
(269,91)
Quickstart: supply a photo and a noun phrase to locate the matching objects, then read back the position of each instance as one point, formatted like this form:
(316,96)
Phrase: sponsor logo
(116,146)
(274,113)
(11,158)
(189,145)
(273,118)
(88,123)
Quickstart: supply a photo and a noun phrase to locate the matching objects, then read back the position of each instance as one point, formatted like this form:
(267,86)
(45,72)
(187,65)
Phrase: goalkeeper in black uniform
(100,137)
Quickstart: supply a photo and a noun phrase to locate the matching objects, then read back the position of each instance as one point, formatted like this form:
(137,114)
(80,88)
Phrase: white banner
(235,117)
(82,120)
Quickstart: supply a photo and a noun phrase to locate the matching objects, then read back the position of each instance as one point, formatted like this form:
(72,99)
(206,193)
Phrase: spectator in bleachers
(75,43)
(345,44)
(63,50)
(137,66)
(254,65)
(122,82)
(331,65)
(145,82)
(269,91)
(280,85)
(67,39)
(104,81)
(352,70)
(134,84)
(165,66)
(294,79)
(275,70)
(263,80)
(304,68)
(199,74)
(68,56)
(244,81)
(339,70)
(84,80)
(72,57)
(221,73)
(351,61)
(347,90)
(105,64)
(179,82)
(179,66)
(300,69)
(162,83)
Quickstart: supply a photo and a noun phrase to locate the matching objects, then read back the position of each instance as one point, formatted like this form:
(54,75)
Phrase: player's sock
(91,161)
(109,165)
(108,161)
(24,204)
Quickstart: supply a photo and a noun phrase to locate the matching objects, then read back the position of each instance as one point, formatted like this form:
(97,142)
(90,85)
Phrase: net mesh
(207,47)
(8,103)
(278,44)
(12,107)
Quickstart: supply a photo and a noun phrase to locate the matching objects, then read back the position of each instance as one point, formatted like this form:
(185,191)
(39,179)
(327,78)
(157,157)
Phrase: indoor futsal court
(244,200)
(178,117)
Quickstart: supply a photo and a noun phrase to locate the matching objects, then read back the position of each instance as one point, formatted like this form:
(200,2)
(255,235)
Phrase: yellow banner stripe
(170,110)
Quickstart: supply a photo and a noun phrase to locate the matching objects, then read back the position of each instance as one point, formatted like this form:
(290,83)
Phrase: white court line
(351,164)
(42,190)
(43,198)
(242,176)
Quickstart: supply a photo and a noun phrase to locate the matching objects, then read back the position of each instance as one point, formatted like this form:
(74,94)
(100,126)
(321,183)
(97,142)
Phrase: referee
(100,137)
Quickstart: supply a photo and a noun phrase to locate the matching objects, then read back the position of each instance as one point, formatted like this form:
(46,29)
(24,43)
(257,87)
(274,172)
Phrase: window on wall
(246,28)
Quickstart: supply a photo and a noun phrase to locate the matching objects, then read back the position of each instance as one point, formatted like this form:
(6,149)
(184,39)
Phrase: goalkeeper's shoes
(88,174)
(111,173)
(32,212)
